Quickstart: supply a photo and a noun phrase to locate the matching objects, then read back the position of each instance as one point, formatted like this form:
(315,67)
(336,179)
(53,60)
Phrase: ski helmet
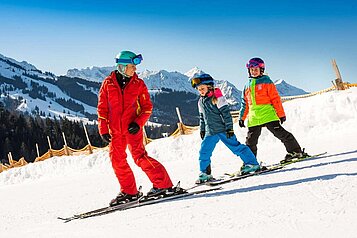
(126,57)
(254,63)
(199,79)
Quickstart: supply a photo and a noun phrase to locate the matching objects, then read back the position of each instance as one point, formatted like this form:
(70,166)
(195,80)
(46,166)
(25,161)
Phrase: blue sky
(297,39)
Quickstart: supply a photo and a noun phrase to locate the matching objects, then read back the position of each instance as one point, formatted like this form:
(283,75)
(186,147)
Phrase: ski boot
(203,177)
(165,192)
(156,192)
(249,168)
(124,198)
(294,156)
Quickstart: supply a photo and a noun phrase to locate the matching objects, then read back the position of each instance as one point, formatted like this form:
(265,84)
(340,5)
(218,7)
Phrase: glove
(202,134)
(229,133)
(106,138)
(133,128)
(241,123)
(282,119)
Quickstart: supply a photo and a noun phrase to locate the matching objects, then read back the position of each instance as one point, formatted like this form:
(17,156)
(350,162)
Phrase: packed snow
(314,198)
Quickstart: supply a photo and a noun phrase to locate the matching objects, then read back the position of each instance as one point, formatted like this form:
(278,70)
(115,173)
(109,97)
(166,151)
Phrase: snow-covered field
(314,198)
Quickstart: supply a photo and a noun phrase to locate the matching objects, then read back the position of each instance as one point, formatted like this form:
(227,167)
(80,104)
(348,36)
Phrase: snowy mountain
(28,89)
(156,80)
(286,89)
(313,198)
(163,79)
(32,91)
(95,74)
(193,71)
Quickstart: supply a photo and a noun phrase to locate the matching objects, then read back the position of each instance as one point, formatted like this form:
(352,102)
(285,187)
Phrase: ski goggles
(197,81)
(135,60)
(255,64)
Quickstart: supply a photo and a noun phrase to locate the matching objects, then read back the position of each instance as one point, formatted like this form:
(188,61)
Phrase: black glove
(282,119)
(241,123)
(133,128)
(106,138)
(202,134)
(229,133)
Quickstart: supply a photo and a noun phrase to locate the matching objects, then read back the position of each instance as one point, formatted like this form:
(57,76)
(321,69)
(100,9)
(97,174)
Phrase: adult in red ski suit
(124,106)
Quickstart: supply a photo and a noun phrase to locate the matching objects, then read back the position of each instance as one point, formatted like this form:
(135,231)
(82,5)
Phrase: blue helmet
(124,58)
(202,78)
(128,57)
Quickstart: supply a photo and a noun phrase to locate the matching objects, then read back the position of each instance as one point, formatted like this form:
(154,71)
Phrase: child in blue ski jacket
(216,124)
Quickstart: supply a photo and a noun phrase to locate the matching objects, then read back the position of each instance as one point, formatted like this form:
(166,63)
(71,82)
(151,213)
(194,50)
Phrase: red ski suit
(117,108)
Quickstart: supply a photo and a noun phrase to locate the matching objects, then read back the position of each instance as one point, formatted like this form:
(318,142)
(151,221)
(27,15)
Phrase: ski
(143,201)
(301,159)
(268,168)
(235,176)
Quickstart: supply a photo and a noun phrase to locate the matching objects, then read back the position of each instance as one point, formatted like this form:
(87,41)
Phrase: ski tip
(65,219)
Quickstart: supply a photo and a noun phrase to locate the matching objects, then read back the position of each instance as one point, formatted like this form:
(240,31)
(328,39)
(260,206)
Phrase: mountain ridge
(74,95)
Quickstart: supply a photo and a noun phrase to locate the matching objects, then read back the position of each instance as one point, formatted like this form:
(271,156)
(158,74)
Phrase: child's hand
(282,119)
(202,134)
(229,133)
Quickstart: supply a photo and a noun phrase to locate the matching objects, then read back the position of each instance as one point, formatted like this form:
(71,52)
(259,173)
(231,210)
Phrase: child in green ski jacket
(262,105)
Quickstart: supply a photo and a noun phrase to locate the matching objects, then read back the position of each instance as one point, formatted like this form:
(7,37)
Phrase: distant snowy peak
(95,74)
(194,71)
(146,73)
(286,89)
(156,80)
(231,93)
(164,79)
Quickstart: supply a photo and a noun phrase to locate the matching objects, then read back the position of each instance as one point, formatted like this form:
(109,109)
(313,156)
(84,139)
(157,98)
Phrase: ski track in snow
(313,198)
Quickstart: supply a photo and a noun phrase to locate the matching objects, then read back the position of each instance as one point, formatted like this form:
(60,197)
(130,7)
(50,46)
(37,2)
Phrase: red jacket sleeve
(102,109)
(145,106)
(275,100)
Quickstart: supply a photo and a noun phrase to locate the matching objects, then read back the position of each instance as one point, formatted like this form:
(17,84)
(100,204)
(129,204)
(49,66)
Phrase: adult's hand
(133,128)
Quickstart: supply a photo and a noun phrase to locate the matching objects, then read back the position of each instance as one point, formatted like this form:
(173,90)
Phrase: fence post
(338,80)
(89,144)
(50,147)
(11,161)
(65,144)
(145,136)
(37,150)
(180,124)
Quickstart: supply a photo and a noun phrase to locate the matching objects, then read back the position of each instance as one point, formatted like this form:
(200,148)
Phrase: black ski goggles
(198,81)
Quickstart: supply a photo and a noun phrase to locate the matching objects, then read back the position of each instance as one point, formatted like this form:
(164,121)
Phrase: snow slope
(314,198)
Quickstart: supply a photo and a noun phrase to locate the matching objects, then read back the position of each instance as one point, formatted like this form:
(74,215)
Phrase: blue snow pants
(209,143)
